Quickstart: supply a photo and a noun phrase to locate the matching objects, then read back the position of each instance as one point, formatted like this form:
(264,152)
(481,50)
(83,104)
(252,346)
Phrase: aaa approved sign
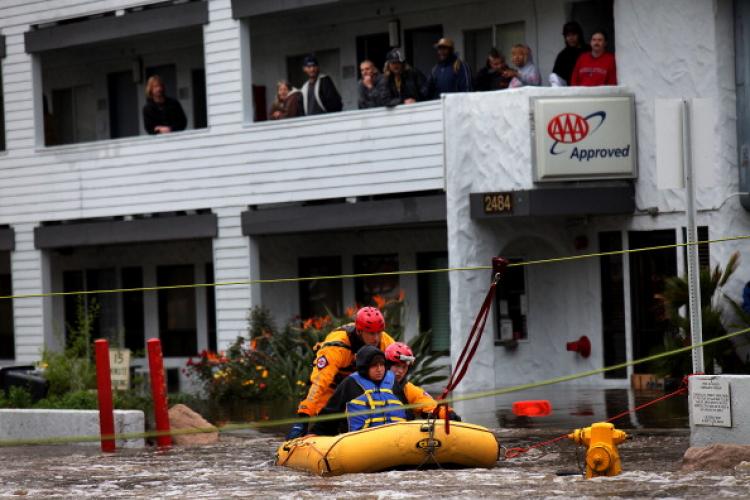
(580,138)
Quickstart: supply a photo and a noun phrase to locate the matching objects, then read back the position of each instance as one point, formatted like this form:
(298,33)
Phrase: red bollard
(159,391)
(104,392)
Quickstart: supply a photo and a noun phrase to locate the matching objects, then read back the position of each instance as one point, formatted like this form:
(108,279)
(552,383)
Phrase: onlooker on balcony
(491,77)
(319,94)
(450,74)
(596,67)
(370,88)
(161,114)
(526,72)
(401,83)
(566,59)
(287,101)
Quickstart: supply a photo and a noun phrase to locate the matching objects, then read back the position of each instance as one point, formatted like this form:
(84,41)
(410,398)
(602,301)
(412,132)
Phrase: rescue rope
(472,342)
(335,416)
(411,272)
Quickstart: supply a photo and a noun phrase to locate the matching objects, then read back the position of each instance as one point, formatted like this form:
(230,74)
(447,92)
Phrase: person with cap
(574,47)
(319,94)
(335,360)
(399,358)
(450,74)
(401,83)
(371,387)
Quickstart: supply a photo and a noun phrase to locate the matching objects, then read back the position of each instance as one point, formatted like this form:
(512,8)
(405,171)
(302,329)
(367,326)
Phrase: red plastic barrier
(159,391)
(534,408)
(104,393)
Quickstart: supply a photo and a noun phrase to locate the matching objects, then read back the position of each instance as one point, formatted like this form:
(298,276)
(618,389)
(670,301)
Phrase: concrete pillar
(32,317)
(235,259)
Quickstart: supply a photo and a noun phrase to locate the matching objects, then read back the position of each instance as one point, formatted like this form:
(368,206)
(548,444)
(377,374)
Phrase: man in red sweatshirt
(596,67)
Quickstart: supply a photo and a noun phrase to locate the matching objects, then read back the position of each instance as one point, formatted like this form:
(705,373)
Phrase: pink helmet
(369,320)
(398,352)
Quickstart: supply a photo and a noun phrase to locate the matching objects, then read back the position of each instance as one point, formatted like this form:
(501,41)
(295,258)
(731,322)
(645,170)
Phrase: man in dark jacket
(450,74)
(319,94)
(371,366)
(161,114)
(401,83)
(491,77)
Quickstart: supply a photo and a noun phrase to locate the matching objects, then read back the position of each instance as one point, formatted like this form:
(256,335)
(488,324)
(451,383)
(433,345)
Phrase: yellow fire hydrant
(601,440)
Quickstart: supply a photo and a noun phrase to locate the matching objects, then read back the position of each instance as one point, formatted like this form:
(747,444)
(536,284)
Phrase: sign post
(693,263)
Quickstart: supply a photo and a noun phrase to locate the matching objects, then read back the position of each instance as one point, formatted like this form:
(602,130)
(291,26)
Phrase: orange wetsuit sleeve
(329,361)
(416,395)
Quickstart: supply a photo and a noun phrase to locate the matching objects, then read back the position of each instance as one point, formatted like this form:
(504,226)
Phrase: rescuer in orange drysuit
(335,360)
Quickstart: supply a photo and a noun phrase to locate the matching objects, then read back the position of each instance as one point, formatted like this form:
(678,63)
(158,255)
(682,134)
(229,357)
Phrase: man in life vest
(399,358)
(371,387)
(335,360)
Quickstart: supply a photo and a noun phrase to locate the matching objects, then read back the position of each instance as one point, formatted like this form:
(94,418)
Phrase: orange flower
(211,357)
(401,295)
(308,323)
(350,311)
(379,301)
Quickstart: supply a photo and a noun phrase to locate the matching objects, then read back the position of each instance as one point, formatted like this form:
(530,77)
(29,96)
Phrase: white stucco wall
(488,149)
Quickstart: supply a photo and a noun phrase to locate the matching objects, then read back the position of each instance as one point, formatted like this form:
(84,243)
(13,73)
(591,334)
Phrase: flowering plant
(239,372)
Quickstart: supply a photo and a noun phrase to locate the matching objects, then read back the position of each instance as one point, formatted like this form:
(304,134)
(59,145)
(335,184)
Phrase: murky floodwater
(240,466)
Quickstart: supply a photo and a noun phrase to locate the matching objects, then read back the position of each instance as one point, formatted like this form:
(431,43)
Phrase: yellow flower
(248,382)
(299,382)
(264,374)
(219,374)
(260,367)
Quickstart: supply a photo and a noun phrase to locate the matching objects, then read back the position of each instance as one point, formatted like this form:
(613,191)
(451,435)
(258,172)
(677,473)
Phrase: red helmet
(369,320)
(398,352)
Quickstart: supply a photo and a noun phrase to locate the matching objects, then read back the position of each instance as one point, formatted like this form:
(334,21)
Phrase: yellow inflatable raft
(403,444)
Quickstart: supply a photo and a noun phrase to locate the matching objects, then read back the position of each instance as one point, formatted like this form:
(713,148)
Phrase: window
(593,15)
(320,297)
(420,50)
(106,323)
(72,117)
(613,303)
(434,300)
(7,346)
(177,320)
(373,47)
(385,286)
(477,44)
(511,304)
(132,309)
(507,35)
(211,307)
(2,113)
(704,256)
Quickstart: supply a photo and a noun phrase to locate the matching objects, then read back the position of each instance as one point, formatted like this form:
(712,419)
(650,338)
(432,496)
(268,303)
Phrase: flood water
(241,464)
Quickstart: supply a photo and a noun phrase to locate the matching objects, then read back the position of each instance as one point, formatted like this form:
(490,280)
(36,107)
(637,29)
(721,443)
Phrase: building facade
(90,201)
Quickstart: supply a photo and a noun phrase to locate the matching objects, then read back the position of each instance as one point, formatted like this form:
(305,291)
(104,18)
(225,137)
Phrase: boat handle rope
(499,265)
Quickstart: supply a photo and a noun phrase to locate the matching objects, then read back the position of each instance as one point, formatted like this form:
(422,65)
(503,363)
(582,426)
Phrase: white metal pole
(693,264)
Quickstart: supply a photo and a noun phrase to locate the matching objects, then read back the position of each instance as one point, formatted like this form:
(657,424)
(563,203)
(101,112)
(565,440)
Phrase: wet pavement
(241,466)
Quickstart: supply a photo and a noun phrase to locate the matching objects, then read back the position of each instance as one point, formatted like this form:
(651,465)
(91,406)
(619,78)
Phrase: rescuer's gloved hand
(298,430)
(442,413)
(452,415)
